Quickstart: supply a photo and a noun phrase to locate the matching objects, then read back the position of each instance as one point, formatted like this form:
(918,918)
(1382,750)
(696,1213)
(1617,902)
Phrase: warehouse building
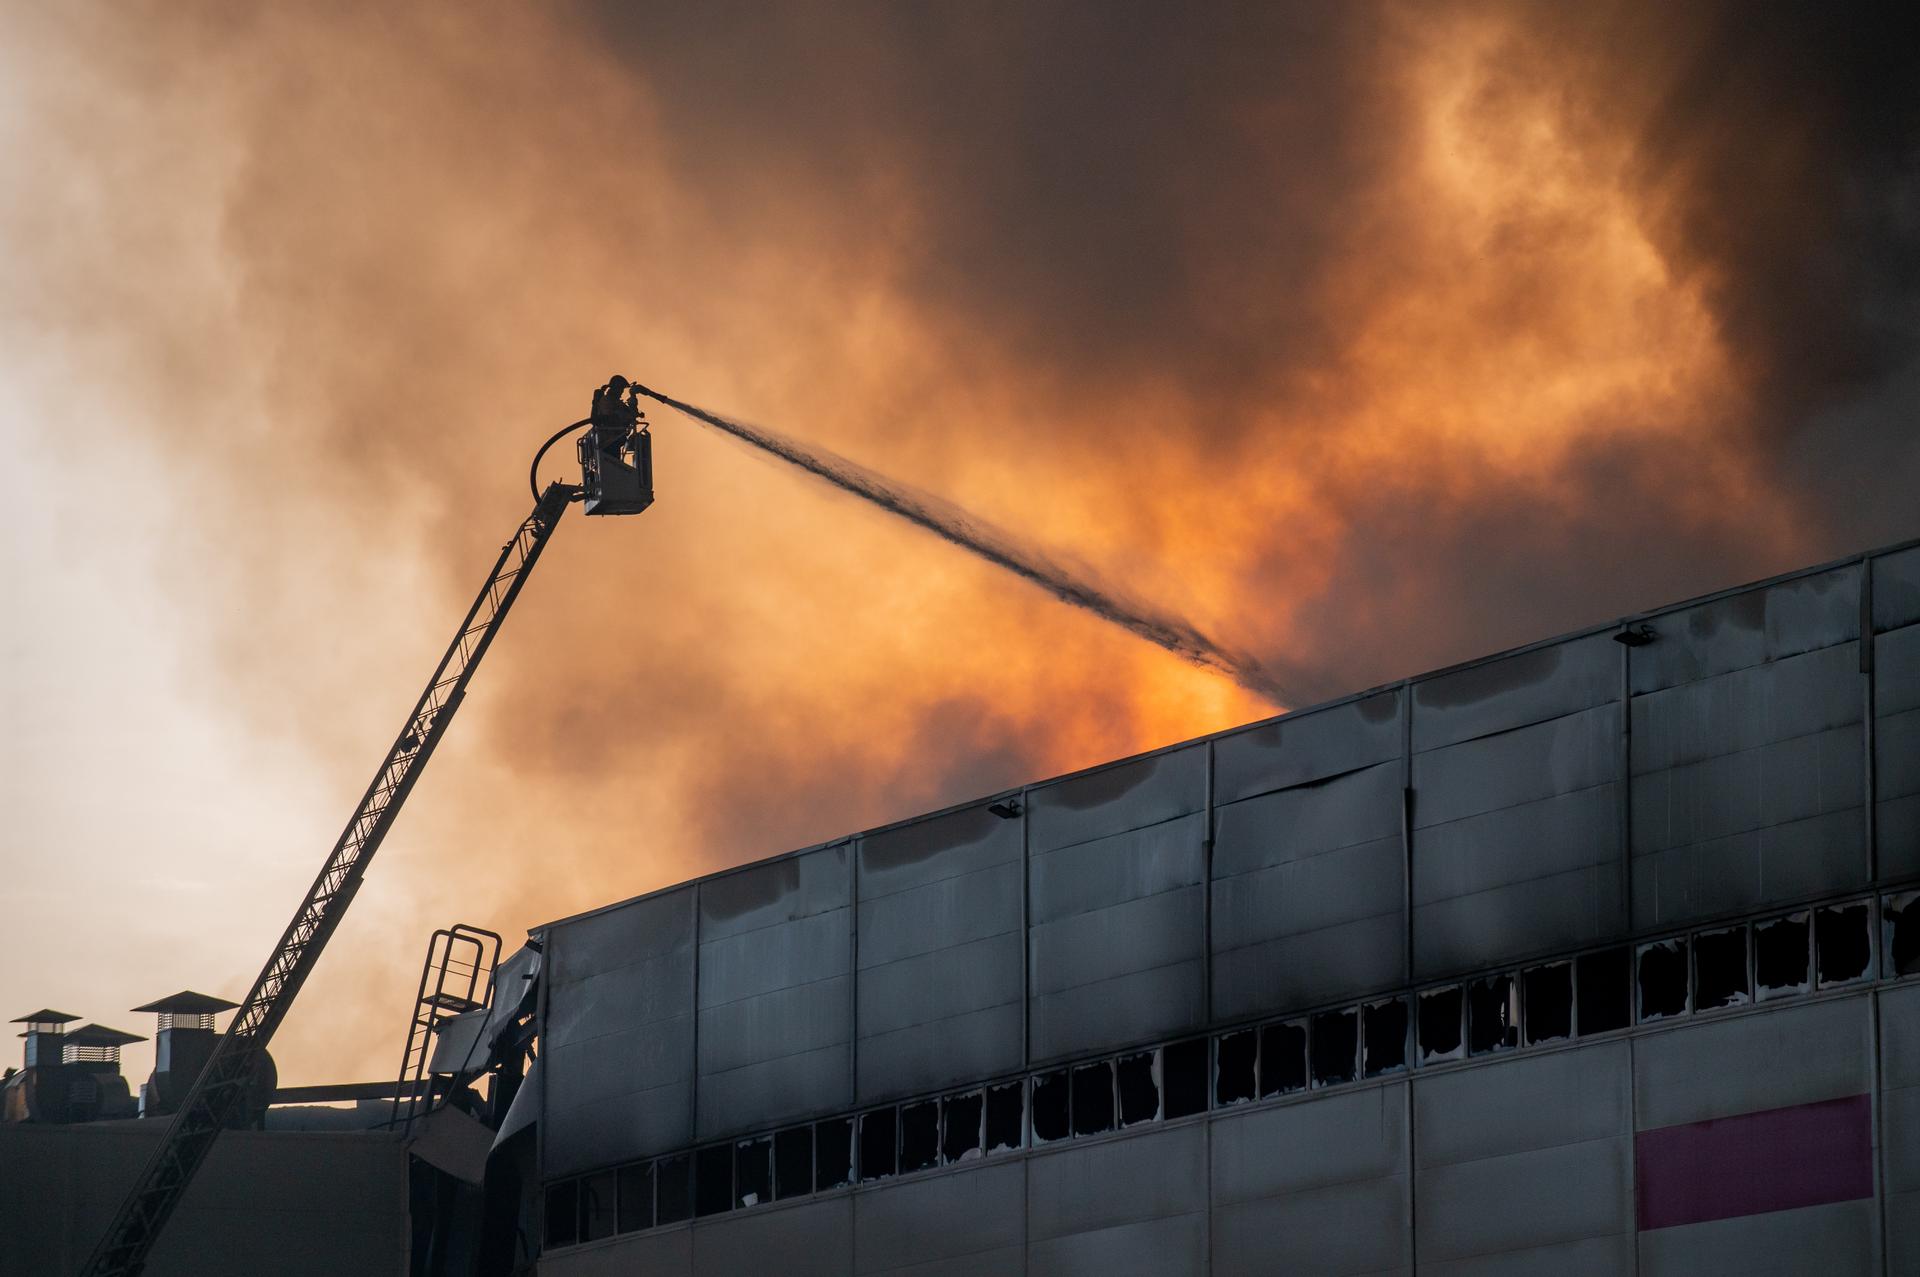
(1597,956)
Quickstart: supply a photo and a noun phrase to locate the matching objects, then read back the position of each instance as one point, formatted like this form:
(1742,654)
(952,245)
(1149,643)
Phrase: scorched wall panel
(1116,874)
(1309,866)
(1120,1207)
(1896,712)
(1747,751)
(1516,772)
(967,1224)
(776,993)
(1900,1125)
(617,1054)
(939,944)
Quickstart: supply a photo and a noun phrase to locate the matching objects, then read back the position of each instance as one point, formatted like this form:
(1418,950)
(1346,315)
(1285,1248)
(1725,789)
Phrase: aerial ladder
(616,477)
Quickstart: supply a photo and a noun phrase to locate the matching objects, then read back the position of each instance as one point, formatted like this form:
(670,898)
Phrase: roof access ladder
(456,978)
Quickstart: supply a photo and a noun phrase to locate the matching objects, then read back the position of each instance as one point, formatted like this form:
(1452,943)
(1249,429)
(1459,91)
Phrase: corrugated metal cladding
(1533,803)
(1518,1165)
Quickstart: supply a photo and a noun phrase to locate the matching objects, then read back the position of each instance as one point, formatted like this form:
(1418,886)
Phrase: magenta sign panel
(1779,1159)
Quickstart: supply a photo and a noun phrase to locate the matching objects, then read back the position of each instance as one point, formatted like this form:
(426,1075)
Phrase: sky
(1365,337)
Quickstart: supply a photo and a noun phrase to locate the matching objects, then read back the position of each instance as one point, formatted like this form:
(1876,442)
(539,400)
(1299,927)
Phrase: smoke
(955,526)
(1364,337)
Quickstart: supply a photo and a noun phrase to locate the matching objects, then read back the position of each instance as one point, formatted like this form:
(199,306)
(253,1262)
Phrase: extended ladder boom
(224,1082)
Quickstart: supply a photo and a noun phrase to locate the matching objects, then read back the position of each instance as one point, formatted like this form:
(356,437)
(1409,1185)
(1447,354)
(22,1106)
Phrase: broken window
(713,1179)
(1782,949)
(833,1153)
(1663,979)
(1137,1076)
(1546,1002)
(563,1213)
(793,1162)
(1384,1037)
(1604,991)
(1006,1113)
(1720,969)
(1333,1046)
(1493,1014)
(960,1127)
(1183,1077)
(1441,1013)
(1283,1059)
(1050,1107)
(673,1189)
(1233,1067)
(599,1207)
(1093,1098)
(1900,919)
(876,1145)
(636,1197)
(919,1136)
(753,1172)
(1842,943)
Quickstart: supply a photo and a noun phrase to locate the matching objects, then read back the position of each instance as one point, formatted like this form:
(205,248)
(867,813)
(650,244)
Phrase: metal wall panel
(775,993)
(1790,1243)
(1513,691)
(1516,844)
(1749,628)
(1748,787)
(1729,1067)
(812,1239)
(1314,1187)
(970,1221)
(617,1044)
(1309,893)
(1120,1206)
(1525,1165)
(1896,589)
(1126,796)
(1900,1125)
(1896,745)
(1313,745)
(939,947)
(1116,900)
(668,1253)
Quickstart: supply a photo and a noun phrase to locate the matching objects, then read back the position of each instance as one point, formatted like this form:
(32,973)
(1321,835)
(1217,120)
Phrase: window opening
(1842,944)
(753,1172)
(1782,949)
(1604,991)
(1383,1038)
(1183,1077)
(1546,1002)
(1093,1098)
(636,1197)
(599,1207)
(1493,1014)
(1006,1114)
(833,1153)
(1441,1013)
(673,1189)
(876,1145)
(1900,919)
(713,1180)
(1233,1067)
(1720,969)
(960,1127)
(1333,1046)
(919,1136)
(1663,979)
(563,1213)
(793,1162)
(1283,1059)
(1139,1085)
(1051,1107)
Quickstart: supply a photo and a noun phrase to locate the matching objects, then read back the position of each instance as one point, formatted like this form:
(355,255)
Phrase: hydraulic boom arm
(620,482)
